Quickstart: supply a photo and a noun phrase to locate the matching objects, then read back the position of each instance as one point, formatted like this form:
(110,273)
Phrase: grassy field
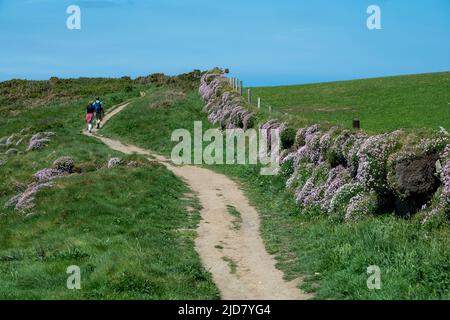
(130,230)
(381,104)
(133,241)
(333,256)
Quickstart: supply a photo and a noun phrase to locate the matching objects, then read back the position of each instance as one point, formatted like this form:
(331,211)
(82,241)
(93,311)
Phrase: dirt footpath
(228,241)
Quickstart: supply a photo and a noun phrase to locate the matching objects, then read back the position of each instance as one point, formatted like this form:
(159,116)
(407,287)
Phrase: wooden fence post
(356,124)
(249,96)
(259,103)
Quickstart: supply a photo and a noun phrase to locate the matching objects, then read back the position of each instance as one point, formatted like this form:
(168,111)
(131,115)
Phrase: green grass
(231,264)
(133,241)
(237,217)
(382,104)
(151,120)
(17,95)
(128,229)
(414,259)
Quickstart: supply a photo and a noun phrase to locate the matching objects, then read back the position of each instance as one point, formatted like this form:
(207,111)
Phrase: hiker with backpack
(98,106)
(90,115)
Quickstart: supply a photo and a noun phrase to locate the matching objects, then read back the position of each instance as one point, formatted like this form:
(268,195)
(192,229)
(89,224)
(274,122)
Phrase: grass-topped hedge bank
(345,173)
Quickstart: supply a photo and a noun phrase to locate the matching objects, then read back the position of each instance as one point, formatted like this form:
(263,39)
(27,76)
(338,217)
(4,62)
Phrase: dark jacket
(90,109)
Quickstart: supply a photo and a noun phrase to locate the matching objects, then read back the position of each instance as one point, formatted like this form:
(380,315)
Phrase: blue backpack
(98,106)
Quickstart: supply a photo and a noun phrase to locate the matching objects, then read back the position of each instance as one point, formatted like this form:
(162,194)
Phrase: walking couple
(97,108)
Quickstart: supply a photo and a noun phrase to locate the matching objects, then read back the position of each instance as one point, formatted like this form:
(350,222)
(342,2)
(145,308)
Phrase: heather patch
(446,174)
(440,204)
(16,144)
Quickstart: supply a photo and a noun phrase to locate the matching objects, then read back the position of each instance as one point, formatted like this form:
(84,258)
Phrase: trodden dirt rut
(229,246)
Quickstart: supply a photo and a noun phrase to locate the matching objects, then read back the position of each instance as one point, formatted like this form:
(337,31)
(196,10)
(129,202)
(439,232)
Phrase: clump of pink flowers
(64,164)
(373,154)
(44,179)
(25,200)
(337,177)
(446,174)
(39,140)
(357,171)
(360,206)
(48,174)
(114,162)
(223,106)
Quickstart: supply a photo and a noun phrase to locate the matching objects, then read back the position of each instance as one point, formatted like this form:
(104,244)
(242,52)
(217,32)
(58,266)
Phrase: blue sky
(263,42)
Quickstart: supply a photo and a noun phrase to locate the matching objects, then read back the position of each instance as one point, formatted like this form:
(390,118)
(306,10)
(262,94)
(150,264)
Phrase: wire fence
(267,108)
(250,97)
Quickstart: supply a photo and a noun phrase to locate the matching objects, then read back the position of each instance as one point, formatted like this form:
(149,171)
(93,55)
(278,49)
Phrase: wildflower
(114,162)
(64,164)
(39,140)
(48,174)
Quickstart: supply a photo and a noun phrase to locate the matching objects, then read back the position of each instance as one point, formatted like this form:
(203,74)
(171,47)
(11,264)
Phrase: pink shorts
(89,117)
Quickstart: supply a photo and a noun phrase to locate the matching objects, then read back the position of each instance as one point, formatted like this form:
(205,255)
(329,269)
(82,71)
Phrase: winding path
(235,256)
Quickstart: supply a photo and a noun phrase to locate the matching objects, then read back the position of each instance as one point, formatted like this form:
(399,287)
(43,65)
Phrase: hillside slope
(120,223)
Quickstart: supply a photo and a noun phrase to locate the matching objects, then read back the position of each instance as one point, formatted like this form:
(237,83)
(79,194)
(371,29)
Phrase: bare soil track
(236,257)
